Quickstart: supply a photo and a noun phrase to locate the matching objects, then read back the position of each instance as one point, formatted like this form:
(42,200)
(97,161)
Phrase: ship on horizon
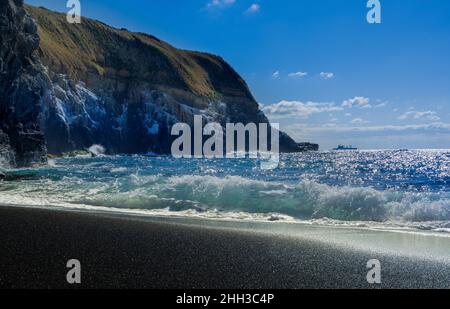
(342,147)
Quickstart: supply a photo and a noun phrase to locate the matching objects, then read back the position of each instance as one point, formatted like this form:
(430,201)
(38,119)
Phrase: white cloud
(361,102)
(276,74)
(359,121)
(430,115)
(298,74)
(254,8)
(382,104)
(220,4)
(326,75)
(288,109)
(435,126)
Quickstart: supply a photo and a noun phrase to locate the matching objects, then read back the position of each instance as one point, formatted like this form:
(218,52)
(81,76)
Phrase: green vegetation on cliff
(92,49)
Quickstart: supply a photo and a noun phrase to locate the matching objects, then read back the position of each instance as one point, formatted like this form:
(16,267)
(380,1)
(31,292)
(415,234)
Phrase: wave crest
(307,200)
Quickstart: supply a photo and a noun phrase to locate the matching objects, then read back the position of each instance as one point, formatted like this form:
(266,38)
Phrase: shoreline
(243,218)
(132,252)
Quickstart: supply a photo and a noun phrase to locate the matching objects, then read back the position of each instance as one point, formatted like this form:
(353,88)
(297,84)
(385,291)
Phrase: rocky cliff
(88,83)
(21,86)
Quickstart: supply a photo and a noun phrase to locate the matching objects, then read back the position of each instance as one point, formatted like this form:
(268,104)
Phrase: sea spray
(384,187)
(97,150)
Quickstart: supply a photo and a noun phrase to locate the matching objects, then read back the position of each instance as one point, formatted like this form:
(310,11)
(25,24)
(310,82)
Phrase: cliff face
(21,140)
(125,90)
(89,83)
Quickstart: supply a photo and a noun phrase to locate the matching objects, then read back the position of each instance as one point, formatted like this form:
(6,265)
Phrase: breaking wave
(305,200)
(226,189)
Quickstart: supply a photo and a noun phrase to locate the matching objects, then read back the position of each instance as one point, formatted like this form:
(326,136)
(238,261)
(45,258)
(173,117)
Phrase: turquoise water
(408,189)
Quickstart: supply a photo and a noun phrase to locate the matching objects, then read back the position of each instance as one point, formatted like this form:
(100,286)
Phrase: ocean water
(407,190)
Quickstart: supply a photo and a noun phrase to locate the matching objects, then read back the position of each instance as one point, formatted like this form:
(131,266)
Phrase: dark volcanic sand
(126,252)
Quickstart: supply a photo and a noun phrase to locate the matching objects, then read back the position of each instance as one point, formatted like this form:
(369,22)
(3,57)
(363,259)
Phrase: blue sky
(316,66)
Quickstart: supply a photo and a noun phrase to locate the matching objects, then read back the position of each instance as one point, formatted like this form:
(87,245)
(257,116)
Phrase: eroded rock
(22,141)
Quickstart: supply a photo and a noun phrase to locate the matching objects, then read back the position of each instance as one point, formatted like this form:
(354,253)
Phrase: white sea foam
(119,170)
(212,189)
(235,197)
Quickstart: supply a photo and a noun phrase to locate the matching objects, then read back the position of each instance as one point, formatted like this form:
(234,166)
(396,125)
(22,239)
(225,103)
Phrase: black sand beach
(127,252)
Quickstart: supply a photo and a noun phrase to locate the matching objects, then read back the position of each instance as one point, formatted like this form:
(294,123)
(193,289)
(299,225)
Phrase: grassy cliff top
(93,48)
